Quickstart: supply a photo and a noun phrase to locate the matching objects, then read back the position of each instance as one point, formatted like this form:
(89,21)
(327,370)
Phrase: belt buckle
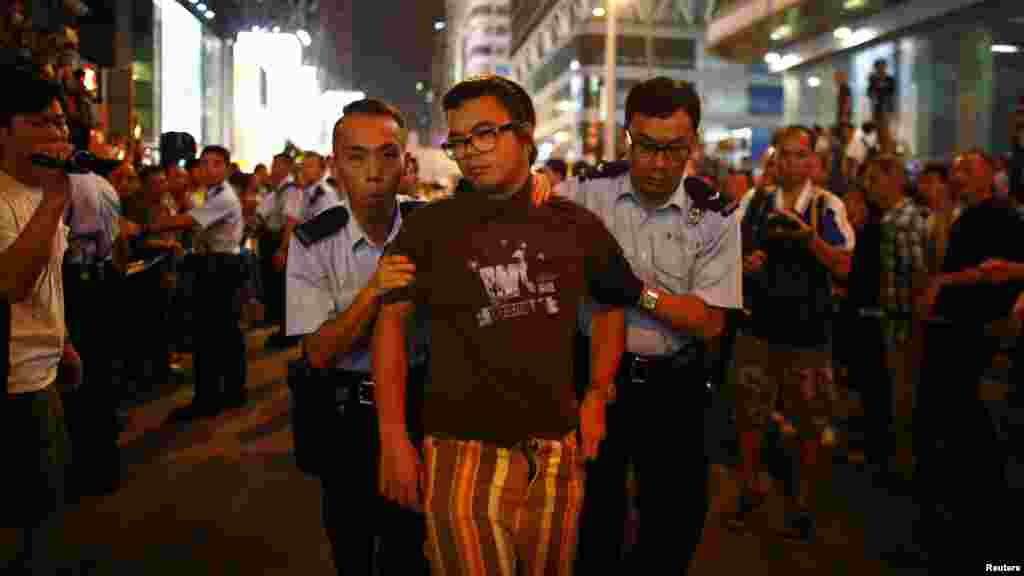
(639,370)
(364,393)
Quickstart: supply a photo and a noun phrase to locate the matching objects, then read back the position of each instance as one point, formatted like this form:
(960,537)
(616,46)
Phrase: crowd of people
(489,366)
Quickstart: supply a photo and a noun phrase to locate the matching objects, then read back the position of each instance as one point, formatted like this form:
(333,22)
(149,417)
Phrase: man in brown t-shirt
(501,281)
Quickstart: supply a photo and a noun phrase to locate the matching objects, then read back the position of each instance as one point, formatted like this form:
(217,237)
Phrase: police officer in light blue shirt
(277,221)
(337,274)
(91,294)
(219,343)
(684,243)
(318,195)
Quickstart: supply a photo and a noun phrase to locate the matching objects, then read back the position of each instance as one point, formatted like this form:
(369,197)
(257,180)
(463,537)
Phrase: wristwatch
(649,299)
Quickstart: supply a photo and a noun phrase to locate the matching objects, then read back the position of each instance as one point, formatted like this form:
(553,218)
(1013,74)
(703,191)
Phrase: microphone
(80,162)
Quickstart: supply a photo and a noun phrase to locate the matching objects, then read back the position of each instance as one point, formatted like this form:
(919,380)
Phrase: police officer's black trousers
(363,527)
(658,425)
(870,376)
(959,466)
(219,354)
(90,302)
(273,280)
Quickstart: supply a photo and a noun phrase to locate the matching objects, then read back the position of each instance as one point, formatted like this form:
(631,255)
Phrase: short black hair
(661,97)
(284,156)
(557,165)
(369,107)
(33,95)
(147,173)
(260,166)
(218,150)
(939,169)
(868,127)
(511,95)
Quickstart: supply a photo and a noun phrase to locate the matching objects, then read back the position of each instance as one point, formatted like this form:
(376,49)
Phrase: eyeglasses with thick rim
(648,149)
(482,140)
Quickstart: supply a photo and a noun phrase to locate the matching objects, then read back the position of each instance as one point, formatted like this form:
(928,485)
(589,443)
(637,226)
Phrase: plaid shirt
(904,255)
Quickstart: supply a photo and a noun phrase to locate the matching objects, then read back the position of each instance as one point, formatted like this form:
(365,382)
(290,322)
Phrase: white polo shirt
(37,323)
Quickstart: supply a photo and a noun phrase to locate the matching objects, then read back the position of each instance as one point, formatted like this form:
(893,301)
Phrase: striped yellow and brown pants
(494,511)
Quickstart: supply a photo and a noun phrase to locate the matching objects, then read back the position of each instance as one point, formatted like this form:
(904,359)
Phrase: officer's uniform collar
(214,190)
(678,198)
(359,236)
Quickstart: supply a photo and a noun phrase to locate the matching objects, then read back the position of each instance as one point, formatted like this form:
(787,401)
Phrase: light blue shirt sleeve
(309,301)
(215,209)
(717,271)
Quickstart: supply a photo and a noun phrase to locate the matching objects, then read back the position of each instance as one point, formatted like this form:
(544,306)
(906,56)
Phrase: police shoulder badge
(322,226)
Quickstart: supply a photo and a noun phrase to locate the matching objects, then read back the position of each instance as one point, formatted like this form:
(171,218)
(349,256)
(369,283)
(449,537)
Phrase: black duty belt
(91,272)
(322,399)
(879,314)
(639,368)
(354,387)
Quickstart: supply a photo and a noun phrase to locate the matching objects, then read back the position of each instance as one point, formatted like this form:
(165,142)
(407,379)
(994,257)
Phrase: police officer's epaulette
(324,225)
(408,206)
(705,197)
(606,170)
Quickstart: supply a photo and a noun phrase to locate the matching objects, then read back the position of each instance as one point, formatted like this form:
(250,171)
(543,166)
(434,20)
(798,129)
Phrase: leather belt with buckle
(645,368)
(360,391)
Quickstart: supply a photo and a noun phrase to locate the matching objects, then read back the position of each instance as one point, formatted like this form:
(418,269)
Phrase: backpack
(791,296)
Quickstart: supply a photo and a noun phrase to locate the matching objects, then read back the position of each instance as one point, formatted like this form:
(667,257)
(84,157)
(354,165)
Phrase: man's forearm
(607,343)
(390,365)
(968,277)
(837,260)
(167,223)
(26,258)
(689,313)
(339,336)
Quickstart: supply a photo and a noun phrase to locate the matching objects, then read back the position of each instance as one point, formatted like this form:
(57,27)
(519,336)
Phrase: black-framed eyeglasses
(481,140)
(646,149)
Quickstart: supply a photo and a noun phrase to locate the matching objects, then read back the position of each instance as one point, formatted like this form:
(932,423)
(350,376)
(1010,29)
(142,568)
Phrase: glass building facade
(958,79)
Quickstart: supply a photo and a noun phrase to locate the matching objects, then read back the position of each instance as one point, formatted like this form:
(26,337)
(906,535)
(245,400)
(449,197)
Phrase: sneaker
(748,502)
(800,527)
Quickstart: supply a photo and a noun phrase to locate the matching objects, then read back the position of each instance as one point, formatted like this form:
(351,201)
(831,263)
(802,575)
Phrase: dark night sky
(392,45)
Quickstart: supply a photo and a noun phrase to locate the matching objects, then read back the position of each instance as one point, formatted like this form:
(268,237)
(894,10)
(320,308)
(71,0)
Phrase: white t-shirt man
(37,323)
